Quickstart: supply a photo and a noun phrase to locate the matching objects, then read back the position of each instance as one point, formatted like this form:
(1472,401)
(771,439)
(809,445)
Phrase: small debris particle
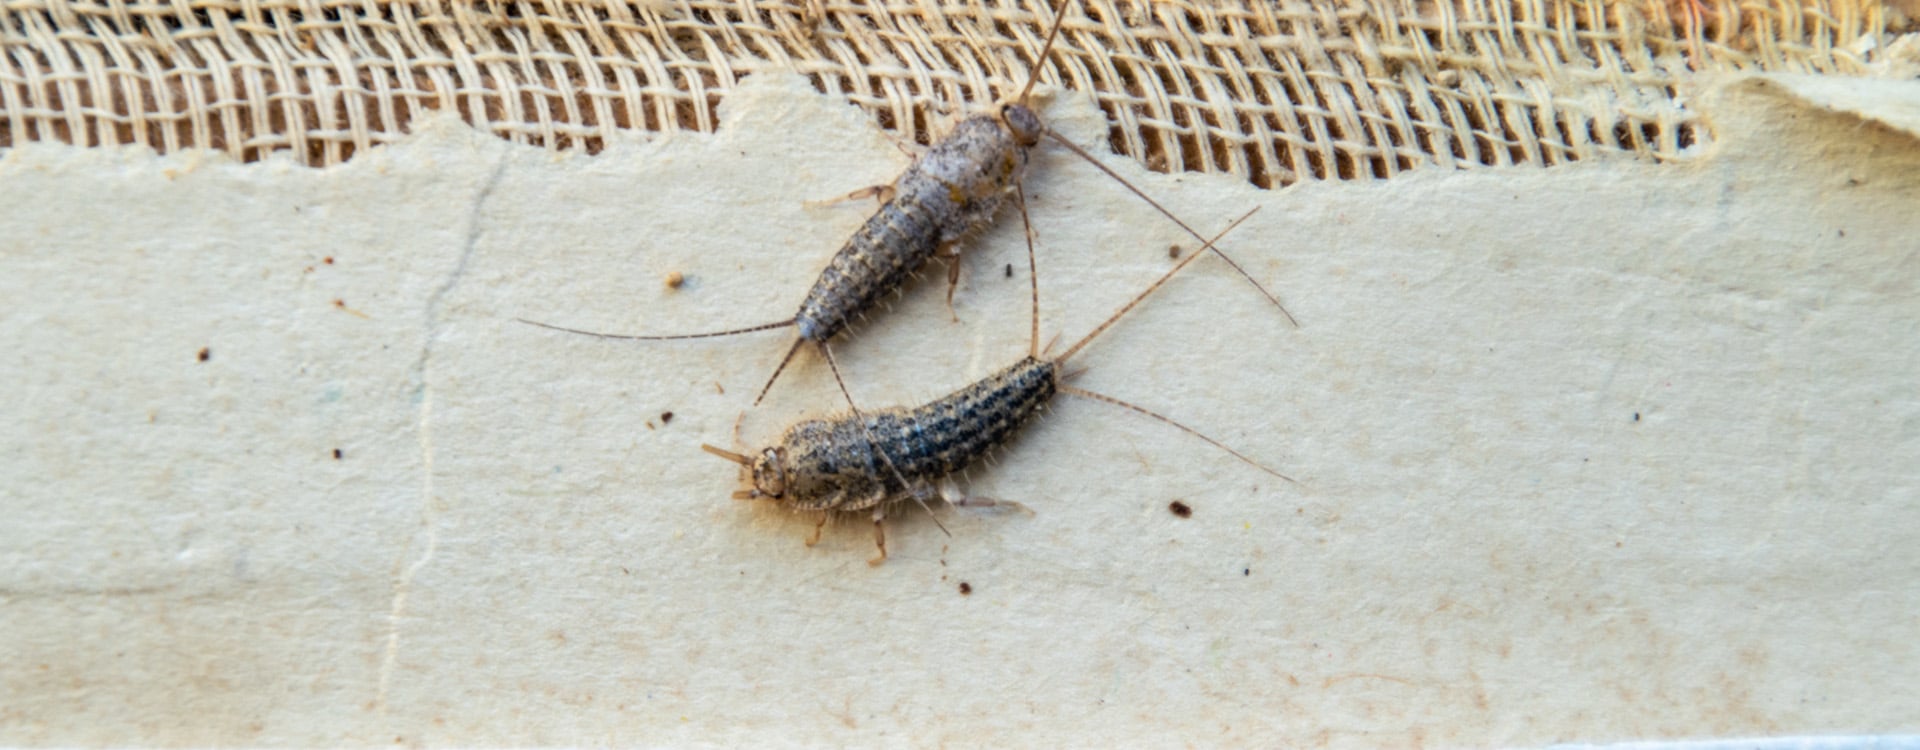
(342,304)
(205,354)
(1173,251)
(649,424)
(1246,571)
(1636,416)
(966,589)
(1009,270)
(1180,509)
(328,260)
(666,417)
(718,389)
(674,280)
(337,455)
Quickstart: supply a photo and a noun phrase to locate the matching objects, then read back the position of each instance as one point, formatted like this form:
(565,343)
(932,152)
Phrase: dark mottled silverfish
(951,191)
(867,461)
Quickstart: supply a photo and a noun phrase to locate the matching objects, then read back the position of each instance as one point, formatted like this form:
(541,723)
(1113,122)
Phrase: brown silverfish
(951,191)
(872,460)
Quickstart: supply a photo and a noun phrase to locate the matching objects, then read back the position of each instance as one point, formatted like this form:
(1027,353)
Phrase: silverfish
(872,460)
(951,191)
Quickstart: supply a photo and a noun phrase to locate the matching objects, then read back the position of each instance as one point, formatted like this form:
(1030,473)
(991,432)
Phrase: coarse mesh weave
(1275,92)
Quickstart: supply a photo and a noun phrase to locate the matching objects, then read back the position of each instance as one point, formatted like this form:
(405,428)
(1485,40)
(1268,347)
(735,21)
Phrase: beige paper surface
(1606,451)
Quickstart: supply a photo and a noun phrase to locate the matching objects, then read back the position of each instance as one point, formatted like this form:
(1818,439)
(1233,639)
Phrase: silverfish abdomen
(875,262)
(953,189)
(825,457)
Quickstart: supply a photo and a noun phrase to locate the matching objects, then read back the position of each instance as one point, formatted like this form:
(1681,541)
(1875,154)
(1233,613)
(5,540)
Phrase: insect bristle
(675,337)
(1059,20)
(1088,158)
(784,361)
(1164,278)
(1128,307)
(727,454)
(1101,397)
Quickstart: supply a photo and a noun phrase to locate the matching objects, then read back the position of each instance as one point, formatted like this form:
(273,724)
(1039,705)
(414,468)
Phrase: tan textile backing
(1275,92)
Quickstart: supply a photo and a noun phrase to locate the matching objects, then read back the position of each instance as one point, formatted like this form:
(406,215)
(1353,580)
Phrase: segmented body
(836,464)
(951,191)
(866,461)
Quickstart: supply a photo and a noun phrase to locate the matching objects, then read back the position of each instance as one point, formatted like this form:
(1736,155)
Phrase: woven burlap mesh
(1273,91)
